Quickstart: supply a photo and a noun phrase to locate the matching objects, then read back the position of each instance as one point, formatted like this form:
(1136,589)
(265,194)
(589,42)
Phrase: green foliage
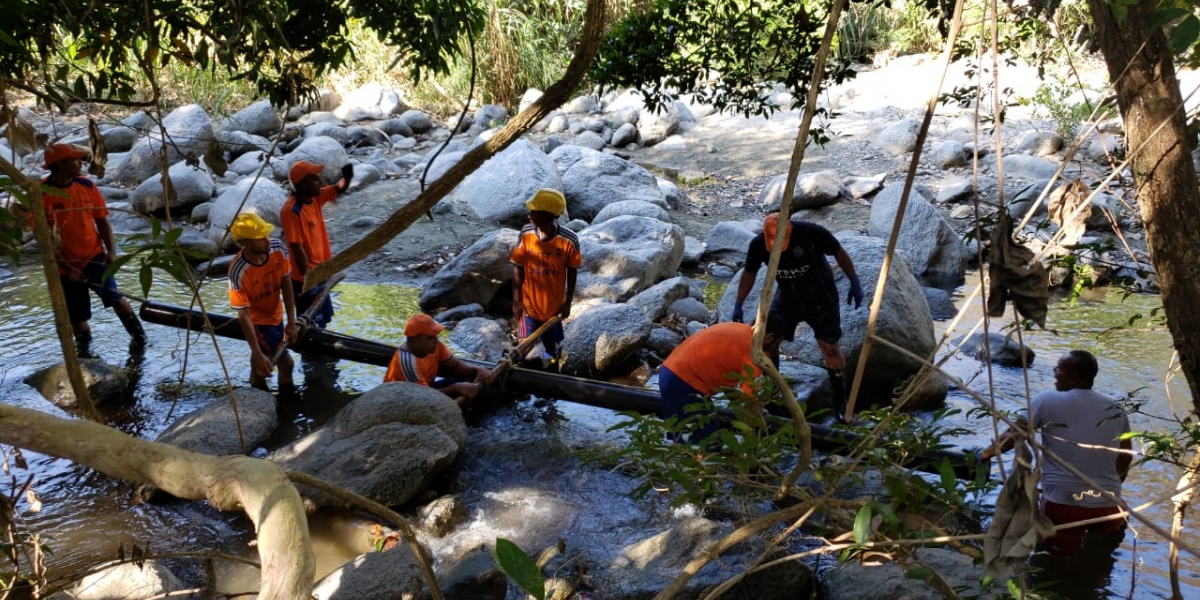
(1065,104)
(11,223)
(863,31)
(517,565)
(727,52)
(158,249)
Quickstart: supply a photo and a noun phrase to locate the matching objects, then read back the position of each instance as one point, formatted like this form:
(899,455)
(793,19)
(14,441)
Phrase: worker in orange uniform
(424,359)
(304,227)
(546,263)
(715,357)
(260,292)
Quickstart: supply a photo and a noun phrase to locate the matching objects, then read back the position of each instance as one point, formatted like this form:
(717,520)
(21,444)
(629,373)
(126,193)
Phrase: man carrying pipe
(546,261)
(260,293)
(424,359)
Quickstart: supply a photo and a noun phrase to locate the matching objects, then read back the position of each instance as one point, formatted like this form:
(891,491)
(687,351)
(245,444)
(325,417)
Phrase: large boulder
(927,241)
(903,317)
(812,190)
(323,151)
(900,137)
(475,276)
(105,383)
(387,445)
(482,337)
(129,581)
(636,208)
(728,240)
(602,341)
(655,300)
(625,255)
(238,143)
(999,348)
(119,138)
(496,192)
(598,179)
(192,186)
(189,131)
(214,428)
(262,196)
(259,118)
(654,128)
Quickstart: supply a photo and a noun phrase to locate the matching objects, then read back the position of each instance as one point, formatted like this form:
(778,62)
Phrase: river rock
(259,118)
(955,189)
(441,516)
(861,187)
(213,429)
(363,135)
(481,337)
(949,154)
(322,151)
(693,249)
(1104,148)
(625,255)
(329,130)
(588,139)
(728,240)
(387,445)
(601,342)
(597,179)
(250,163)
(458,313)
(489,114)
(119,138)
(396,126)
(903,317)
(1137,276)
(687,309)
(238,143)
(654,128)
(809,383)
(888,581)
(105,382)
(1028,167)
(1041,143)
(128,581)
(624,135)
(1005,350)
(655,299)
(192,186)
(320,116)
(123,219)
(635,208)
(900,137)
(927,241)
(189,131)
(418,121)
(441,165)
(812,190)
(475,276)
(663,340)
(197,243)
(384,575)
(263,197)
(941,305)
(496,192)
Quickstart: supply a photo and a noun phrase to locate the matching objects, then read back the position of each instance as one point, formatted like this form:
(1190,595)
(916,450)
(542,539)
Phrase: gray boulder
(387,445)
(671,193)
(488,114)
(129,581)
(654,128)
(250,163)
(418,121)
(119,138)
(903,317)
(812,190)
(123,219)
(322,151)
(728,240)
(1041,143)
(955,189)
(213,429)
(192,186)
(262,196)
(663,340)
(625,134)
(362,135)
(587,139)
(564,157)
(1003,350)
(655,299)
(687,309)
(941,305)
(496,192)
(861,187)
(693,249)
(927,241)
(328,130)
(625,255)
(385,575)
(259,118)
(363,103)
(603,340)
(530,96)
(889,581)
(949,154)
(105,383)
(597,179)
(188,130)
(197,242)
(475,276)
(237,143)
(458,313)
(1028,167)
(634,208)
(200,213)
(481,337)
(396,126)
(900,137)
(441,165)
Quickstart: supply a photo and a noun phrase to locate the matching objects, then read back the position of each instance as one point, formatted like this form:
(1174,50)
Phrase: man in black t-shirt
(805,289)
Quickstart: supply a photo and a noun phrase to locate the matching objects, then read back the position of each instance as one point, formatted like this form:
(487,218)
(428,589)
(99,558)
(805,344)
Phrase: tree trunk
(256,486)
(555,96)
(1140,64)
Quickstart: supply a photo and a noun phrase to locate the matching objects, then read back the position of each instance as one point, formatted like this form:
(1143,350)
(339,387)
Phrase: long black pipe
(600,394)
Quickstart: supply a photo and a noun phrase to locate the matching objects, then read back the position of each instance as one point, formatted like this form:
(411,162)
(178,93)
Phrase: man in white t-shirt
(1085,429)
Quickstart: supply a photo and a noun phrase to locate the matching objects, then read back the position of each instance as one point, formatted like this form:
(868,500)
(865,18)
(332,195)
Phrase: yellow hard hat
(249,226)
(546,199)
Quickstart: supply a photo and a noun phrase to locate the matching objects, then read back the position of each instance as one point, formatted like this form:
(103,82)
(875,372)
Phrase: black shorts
(826,323)
(79,303)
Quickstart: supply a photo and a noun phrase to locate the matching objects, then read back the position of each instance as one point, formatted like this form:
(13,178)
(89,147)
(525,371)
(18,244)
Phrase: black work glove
(348,173)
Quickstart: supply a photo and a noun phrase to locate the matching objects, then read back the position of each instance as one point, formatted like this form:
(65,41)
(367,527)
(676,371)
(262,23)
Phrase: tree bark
(1141,67)
(258,487)
(555,96)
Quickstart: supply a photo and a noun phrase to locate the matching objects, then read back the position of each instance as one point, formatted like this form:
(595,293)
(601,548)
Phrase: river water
(86,516)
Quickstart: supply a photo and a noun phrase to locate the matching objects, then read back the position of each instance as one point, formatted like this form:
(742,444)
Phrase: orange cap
(57,152)
(771,227)
(422,324)
(302,169)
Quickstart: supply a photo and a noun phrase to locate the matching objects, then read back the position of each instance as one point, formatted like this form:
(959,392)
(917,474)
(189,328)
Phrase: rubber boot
(83,344)
(837,386)
(134,327)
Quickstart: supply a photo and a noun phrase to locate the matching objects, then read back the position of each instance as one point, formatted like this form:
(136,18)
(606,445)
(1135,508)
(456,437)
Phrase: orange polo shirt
(545,262)
(73,215)
(257,288)
(308,228)
(714,357)
(406,366)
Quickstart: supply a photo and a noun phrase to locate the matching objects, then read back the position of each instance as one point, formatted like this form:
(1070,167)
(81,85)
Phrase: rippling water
(87,515)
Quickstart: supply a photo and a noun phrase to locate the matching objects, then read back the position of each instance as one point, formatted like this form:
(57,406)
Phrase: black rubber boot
(83,344)
(837,385)
(134,326)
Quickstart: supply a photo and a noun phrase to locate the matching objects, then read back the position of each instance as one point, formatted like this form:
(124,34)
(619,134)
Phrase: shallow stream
(86,516)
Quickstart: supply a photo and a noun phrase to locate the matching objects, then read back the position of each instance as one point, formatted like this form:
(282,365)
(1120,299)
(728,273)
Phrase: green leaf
(1169,14)
(517,565)
(862,524)
(920,573)
(1184,35)
(172,236)
(146,277)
